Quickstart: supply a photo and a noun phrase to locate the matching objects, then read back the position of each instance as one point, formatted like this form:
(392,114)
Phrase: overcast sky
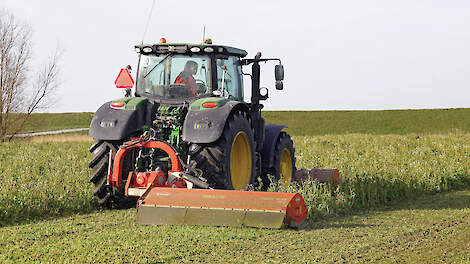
(338,54)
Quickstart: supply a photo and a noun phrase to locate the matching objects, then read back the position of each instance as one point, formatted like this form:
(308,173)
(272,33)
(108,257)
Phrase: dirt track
(52,132)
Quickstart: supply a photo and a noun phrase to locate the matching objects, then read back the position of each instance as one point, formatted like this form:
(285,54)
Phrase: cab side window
(229,81)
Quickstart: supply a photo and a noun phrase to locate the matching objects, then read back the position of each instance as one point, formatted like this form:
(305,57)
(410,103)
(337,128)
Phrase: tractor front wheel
(101,151)
(283,168)
(228,163)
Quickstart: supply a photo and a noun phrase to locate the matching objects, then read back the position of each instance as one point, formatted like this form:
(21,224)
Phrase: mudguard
(110,123)
(271,135)
(207,125)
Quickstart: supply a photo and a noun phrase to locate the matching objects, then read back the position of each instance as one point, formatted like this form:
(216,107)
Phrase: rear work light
(210,105)
(195,49)
(117,104)
(147,49)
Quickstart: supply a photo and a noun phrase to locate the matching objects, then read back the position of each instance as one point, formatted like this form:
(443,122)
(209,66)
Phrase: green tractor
(189,99)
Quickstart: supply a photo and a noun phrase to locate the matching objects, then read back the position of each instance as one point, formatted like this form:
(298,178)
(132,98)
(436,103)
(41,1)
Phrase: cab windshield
(171,76)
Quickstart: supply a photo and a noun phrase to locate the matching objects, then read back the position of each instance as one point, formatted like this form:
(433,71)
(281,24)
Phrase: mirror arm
(250,61)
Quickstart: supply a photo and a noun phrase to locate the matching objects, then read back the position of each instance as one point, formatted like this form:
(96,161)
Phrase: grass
(399,122)
(50,179)
(434,228)
(43,180)
(309,123)
(56,121)
(380,169)
(48,213)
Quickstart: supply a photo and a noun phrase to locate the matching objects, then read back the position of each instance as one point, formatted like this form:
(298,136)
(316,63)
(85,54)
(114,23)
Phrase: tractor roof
(187,48)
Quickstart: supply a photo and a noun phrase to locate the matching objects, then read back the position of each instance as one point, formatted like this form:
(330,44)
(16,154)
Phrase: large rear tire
(99,165)
(228,163)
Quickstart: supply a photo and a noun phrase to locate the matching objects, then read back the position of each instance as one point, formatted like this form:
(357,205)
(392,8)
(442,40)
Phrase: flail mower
(186,147)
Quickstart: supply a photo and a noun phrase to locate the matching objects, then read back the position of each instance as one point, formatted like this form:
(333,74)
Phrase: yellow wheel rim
(240,161)
(285,167)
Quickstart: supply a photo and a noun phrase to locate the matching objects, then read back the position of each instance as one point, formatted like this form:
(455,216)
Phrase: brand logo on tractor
(203,125)
(106,123)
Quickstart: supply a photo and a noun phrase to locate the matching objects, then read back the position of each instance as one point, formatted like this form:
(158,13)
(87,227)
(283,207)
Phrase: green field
(46,121)
(43,180)
(309,123)
(432,229)
(51,178)
(405,198)
(48,212)
(400,122)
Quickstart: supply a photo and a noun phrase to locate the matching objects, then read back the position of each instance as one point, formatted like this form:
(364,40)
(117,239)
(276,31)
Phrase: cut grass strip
(431,229)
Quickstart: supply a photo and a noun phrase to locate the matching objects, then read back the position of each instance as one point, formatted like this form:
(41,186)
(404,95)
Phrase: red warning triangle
(124,79)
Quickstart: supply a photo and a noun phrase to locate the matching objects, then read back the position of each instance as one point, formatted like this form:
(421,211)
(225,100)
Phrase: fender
(116,123)
(271,135)
(206,125)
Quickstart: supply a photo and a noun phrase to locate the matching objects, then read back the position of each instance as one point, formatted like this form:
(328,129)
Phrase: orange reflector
(124,79)
(117,104)
(175,206)
(210,105)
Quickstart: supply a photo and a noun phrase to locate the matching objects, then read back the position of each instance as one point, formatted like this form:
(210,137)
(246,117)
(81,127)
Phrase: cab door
(229,77)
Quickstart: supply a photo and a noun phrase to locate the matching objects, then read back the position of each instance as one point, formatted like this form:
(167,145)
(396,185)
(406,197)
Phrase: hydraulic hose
(195,181)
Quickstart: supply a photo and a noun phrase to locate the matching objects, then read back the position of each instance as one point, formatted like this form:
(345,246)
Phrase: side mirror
(279,72)
(279,85)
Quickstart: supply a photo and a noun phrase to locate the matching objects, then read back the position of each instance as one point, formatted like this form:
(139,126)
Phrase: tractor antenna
(203,33)
(148,21)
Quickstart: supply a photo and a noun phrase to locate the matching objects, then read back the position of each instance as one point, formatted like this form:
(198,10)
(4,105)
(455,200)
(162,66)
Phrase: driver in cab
(186,76)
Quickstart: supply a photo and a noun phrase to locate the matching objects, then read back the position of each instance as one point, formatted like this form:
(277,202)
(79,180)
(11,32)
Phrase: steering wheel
(201,86)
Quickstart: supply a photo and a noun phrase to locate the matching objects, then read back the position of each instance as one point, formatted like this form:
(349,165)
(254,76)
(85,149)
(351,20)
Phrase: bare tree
(21,94)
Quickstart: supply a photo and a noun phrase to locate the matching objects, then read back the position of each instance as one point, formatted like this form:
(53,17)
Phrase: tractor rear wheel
(99,164)
(228,163)
(283,168)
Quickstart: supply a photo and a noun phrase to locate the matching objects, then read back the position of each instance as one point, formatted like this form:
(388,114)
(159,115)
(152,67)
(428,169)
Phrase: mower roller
(221,208)
(186,147)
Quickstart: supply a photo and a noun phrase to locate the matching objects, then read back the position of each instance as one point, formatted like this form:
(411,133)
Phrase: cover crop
(51,179)
(380,168)
(43,179)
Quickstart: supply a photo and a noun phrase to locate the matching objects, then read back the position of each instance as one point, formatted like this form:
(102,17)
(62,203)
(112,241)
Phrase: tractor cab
(189,71)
